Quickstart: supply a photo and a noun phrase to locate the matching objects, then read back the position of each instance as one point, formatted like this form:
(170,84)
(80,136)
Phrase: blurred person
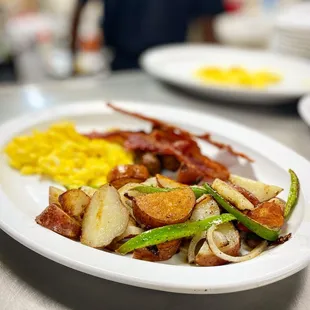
(132,26)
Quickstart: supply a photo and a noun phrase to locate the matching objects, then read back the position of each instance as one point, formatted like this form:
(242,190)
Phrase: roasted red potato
(53,194)
(187,175)
(74,202)
(105,218)
(269,213)
(163,181)
(160,209)
(170,163)
(123,174)
(57,220)
(160,252)
(150,161)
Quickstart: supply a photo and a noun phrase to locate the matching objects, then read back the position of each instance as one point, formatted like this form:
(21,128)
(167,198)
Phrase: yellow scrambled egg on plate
(66,156)
(237,76)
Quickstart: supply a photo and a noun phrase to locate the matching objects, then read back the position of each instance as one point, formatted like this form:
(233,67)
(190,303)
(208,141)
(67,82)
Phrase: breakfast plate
(176,64)
(22,198)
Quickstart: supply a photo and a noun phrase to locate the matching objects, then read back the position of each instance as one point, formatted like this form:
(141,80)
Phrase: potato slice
(123,174)
(163,181)
(229,243)
(55,219)
(53,194)
(151,182)
(262,191)
(105,218)
(150,161)
(127,193)
(205,207)
(161,252)
(159,209)
(169,162)
(187,175)
(74,202)
(132,230)
(269,213)
(232,195)
(89,191)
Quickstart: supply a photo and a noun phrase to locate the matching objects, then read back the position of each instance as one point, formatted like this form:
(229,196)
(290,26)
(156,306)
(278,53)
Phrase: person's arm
(75,24)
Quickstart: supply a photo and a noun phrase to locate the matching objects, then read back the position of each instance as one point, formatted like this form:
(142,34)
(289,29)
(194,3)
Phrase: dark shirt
(132,26)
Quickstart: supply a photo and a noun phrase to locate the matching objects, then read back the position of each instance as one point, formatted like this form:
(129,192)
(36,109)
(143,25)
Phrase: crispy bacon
(166,139)
(207,137)
(172,130)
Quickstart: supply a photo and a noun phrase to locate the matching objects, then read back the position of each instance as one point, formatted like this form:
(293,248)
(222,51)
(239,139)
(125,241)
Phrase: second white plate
(176,64)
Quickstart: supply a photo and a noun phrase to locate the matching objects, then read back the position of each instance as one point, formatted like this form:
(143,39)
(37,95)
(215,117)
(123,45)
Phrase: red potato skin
(55,219)
(123,174)
(212,260)
(249,196)
(170,163)
(150,161)
(187,175)
(163,252)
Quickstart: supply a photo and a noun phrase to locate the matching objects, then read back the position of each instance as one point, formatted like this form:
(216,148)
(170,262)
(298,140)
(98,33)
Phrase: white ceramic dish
(176,64)
(304,109)
(22,198)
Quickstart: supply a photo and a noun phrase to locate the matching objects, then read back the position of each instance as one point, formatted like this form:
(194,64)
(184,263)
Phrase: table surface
(30,281)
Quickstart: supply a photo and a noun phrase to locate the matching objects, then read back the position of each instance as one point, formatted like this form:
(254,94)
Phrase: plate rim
(118,276)
(301,107)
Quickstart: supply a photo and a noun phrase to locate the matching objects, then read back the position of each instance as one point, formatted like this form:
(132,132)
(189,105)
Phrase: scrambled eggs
(237,76)
(66,156)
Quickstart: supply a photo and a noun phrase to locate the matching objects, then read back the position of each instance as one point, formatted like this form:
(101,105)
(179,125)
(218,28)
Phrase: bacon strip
(166,139)
(170,129)
(207,137)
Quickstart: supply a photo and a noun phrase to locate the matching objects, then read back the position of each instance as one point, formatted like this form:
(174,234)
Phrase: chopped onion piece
(234,259)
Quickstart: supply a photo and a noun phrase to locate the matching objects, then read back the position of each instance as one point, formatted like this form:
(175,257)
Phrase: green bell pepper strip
(172,232)
(262,231)
(147,189)
(293,194)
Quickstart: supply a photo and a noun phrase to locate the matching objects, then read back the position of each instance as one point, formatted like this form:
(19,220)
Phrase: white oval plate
(177,63)
(304,109)
(24,197)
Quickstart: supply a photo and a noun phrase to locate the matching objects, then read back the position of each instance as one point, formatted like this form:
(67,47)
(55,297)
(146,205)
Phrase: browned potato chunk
(227,239)
(150,161)
(160,209)
(132,230)
(187,175)
(53,194)
(105,218)
(169,162)
(55,219)
(123,174)
(161,252)
(163,181)
(269,213)
(74,202)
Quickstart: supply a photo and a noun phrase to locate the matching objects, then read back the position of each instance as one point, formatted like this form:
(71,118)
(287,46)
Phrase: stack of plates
(292,31)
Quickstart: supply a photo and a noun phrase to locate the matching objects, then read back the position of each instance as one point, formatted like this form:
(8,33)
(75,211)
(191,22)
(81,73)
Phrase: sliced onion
(193,245)
(234,259)
(219,238)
